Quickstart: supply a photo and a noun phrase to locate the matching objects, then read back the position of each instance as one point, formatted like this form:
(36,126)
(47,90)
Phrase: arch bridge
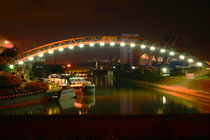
(141,48)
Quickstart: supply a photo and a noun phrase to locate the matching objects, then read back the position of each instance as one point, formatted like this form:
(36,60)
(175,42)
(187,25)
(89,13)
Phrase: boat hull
(22,99)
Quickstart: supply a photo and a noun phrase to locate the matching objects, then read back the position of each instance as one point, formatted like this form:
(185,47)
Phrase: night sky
(30,23)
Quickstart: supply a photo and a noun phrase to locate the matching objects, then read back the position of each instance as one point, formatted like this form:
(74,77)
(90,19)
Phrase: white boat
(58,78)
(80,82)
(75,82)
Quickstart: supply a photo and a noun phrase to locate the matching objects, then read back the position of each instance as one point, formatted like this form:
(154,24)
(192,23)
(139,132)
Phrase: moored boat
(16,92)
(76,82)
(81,83)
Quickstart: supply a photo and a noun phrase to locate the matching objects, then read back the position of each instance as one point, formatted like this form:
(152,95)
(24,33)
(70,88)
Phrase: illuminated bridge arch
(121,41)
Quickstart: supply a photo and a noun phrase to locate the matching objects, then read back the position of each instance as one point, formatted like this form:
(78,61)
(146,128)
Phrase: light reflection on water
(115,97)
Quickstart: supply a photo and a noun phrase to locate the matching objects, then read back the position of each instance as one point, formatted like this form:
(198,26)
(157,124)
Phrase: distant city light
(122,44)
(31,58)
(71,47)
(199,64)
(172,53)
(182,57)
(132,45)
(190,60)
(41,55)
(143,46)
(162,50)
(20,62)
(101,43)
(91,44)
(114,67)
(152,48)
(11,66)
(133,67)
(112,43)
(60,49)
(51,52)
(81,45)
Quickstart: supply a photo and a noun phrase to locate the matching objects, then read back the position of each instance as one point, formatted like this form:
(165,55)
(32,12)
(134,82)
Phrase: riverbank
(194,86)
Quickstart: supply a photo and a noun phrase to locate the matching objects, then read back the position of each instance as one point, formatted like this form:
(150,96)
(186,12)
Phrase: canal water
(115,96)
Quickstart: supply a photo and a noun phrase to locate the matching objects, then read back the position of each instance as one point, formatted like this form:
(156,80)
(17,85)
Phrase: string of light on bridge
(142,46)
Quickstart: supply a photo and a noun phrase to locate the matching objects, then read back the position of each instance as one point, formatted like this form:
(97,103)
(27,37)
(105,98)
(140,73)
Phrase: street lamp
(101,43)
(122,44)
(112,43)
(71,47)
(132,45)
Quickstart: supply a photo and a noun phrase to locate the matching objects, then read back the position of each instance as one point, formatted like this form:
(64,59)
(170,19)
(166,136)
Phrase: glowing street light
(152,48)
(71,47)
(69,65)
(51,52)
(11,66)
(133,67)
(172,53)
(101,43)
(190,60)
(60,49)
(132,45)
(162,50)
(20,62)
(81,45)
(6,42)
(143,46)
(122,44)
(182,57)
(41,55)
(31,58)
(91,44)
(199,64)
(112,43)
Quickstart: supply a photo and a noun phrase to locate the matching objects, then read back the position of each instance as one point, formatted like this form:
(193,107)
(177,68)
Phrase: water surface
(117,97)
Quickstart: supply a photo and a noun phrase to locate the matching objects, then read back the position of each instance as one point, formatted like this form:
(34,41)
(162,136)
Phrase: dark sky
(30,23)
